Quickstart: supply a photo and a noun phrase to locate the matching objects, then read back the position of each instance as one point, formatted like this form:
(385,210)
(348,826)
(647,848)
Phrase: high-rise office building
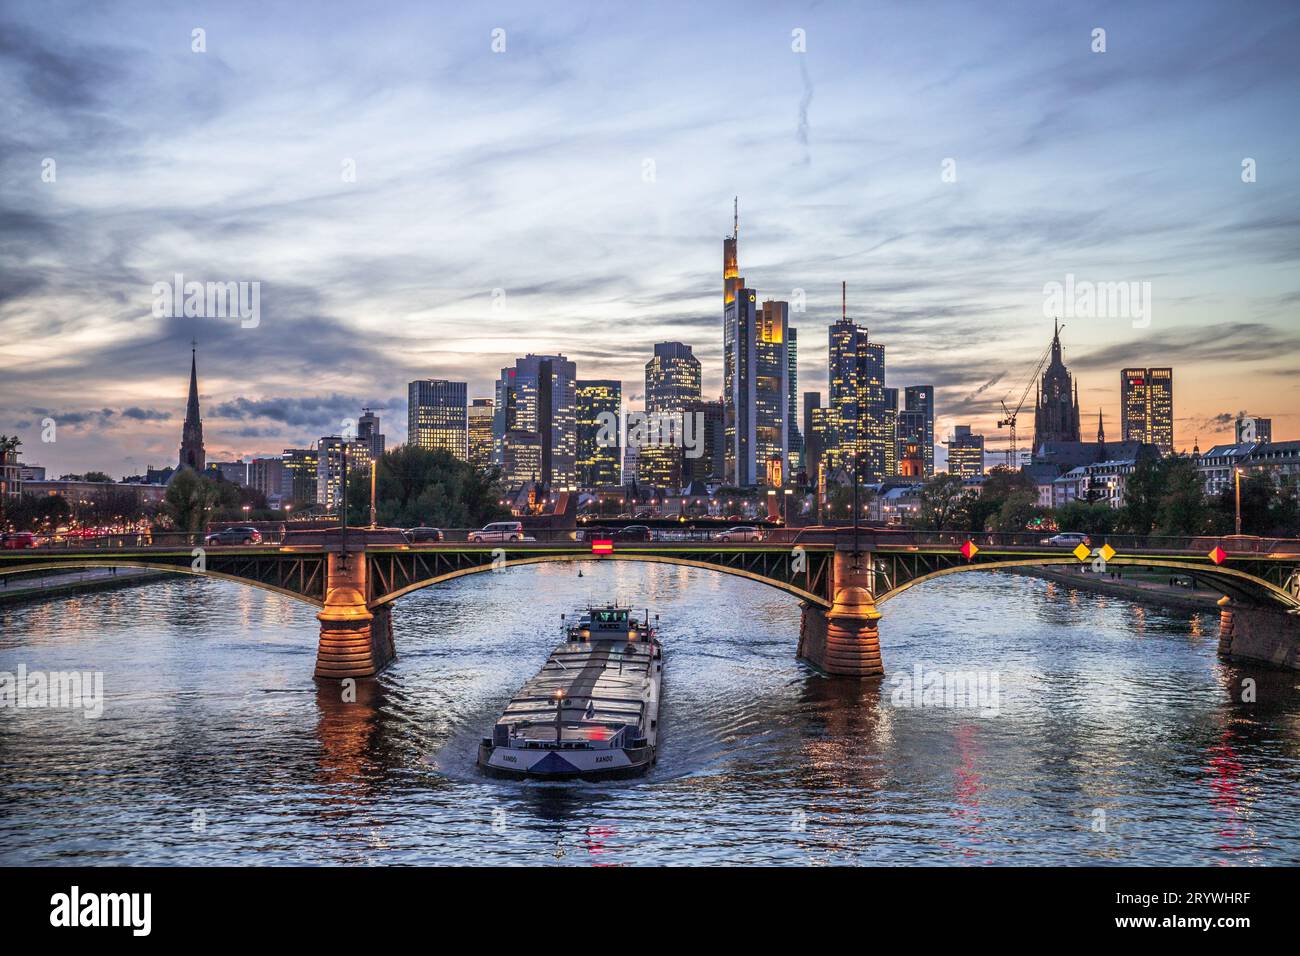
(599,461)
(794,432)
(672,381)
(1147,406)
(368,433)
(332,451)
(1056,410)
(755,377)
(916,422)
(539,394)
(1252,428)
(891,429)
(299,488)
(521,458)
(266,475)
(812,444)
(965,452)
(436,416)
(479,421)
(709,465)
(857,396)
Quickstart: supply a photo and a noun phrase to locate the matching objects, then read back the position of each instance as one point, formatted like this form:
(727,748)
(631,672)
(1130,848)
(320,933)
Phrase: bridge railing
(871,538)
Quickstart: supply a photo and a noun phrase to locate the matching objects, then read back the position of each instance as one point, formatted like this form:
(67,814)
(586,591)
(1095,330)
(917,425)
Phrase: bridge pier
(354,641)
(1263,634)
(845,640)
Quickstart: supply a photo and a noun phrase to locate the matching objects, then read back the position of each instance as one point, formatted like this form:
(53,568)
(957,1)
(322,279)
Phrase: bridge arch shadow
(800,593)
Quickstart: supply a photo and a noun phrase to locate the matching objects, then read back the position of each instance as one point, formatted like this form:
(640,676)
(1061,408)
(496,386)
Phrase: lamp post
(1237,481)
(374,467)
(785,506)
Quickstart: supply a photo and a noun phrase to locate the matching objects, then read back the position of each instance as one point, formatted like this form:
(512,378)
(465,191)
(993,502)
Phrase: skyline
(1123,167)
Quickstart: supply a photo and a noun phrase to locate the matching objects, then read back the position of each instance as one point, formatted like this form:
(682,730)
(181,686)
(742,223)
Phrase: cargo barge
(592,711)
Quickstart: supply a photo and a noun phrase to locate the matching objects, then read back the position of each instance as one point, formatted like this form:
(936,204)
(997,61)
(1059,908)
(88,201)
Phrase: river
(1115,736)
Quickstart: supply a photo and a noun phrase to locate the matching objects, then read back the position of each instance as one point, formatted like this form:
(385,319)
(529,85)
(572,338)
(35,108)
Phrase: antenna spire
(844,300)
(735,211)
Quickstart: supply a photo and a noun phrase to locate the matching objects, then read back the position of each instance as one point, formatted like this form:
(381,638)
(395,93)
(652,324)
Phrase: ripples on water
(217,747)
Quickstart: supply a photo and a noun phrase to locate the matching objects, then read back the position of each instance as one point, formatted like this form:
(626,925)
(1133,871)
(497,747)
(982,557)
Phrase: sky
(428,190)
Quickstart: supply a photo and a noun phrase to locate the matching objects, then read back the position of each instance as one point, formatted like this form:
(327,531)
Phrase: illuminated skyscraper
(857,396)
(916,423)
(599,462)
(368,432)
(540,395)
(299,482)
(965,452)
(795,433)
(755,377)
(436,416)
(672,381)
(480,414)
(330,467)
(1147,406)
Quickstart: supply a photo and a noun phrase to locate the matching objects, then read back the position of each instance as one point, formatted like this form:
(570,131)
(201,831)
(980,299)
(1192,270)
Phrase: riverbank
(15,588)
(1143,591)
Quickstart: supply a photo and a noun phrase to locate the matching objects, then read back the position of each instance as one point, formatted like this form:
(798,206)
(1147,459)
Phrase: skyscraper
(710,464)
(539,395)
(916,422)
(857,396)
(436,416)
(965,452)
(369,435)
(330,468)
(812,443)
(1252,428)
(299,487)
(192,454)
(599,461)
(1056,411)
(795,433)
(755,377)
(479,416)
(1147,406)
(672,381)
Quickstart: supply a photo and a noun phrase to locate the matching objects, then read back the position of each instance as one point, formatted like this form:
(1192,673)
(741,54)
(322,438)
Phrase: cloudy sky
(586,172)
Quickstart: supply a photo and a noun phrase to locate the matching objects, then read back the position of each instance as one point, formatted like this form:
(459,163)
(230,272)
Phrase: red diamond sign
(1218,555)
(968,550)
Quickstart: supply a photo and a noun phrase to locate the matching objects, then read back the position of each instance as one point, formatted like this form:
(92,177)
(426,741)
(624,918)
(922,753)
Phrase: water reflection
(1104,707)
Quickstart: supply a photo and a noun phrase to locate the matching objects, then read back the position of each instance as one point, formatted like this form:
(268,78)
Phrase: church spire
(1101,429)
(192,454)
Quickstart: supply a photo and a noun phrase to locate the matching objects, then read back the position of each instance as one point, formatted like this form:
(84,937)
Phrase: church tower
(1056,417)
(192,455)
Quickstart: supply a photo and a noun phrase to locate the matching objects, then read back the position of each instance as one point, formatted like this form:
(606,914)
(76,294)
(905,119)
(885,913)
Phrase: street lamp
(1237,477)
(785,506)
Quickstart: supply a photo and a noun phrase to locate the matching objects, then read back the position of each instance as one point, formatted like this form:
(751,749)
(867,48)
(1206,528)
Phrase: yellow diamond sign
(1082,552)
(1107,552)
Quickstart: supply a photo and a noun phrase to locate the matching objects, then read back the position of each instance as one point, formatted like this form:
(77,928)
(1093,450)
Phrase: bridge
(841,577)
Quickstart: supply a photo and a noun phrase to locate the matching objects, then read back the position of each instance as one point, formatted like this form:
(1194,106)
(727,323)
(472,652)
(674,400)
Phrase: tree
(1017,511)
(96,476)
(839,503)
(1182,508)
(191,500)
(1141,497)
(1095,519)
(418,486)
(944,500)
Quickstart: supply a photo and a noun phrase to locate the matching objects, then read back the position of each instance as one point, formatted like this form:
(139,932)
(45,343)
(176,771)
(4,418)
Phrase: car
(498,531)
(633,532)
(741,533)
(1068,539)
(642,515)
(16,540)
(424,535)
(243,535)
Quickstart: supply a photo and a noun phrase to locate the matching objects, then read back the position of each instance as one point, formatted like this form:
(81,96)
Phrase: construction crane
(1009,416)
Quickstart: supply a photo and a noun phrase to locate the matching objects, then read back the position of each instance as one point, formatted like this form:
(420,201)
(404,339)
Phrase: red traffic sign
(1218,555)
(602,546)
(969,550)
